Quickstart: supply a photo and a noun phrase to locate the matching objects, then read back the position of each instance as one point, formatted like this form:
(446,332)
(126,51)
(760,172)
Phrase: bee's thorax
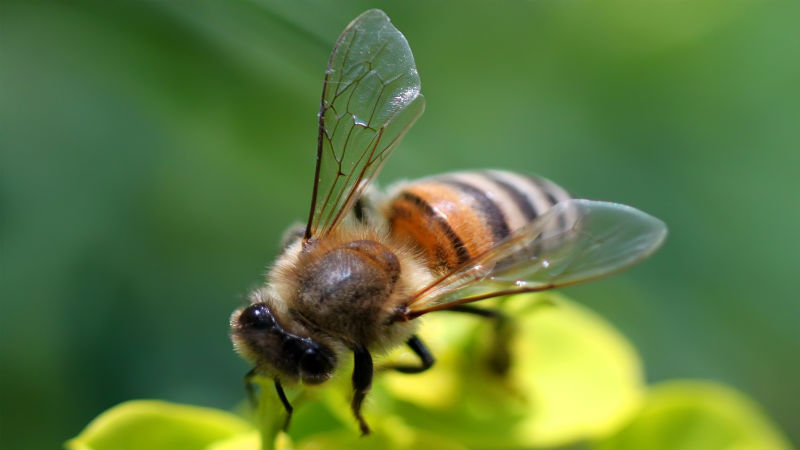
(344,290)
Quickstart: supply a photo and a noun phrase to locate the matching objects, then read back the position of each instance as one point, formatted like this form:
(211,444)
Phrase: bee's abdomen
(455,216)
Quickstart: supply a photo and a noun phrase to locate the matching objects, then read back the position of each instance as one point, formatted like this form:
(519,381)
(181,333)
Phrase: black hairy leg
(286,405)
(249,386)
(425,357)
(499,359)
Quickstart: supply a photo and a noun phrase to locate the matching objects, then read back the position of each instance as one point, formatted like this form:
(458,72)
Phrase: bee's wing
(575,241)
(370,98)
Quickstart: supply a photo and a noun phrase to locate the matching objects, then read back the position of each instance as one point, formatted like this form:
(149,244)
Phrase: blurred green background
(151,154)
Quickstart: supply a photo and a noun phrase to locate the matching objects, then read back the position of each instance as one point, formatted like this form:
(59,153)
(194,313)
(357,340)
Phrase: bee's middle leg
(499,359)
(426,359)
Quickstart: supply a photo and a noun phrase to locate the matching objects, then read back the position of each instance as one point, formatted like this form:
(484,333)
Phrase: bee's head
(261,339)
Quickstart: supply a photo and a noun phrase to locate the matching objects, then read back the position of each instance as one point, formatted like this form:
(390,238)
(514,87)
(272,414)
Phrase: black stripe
(544,186)
(491,212)
(522,201)
(455,241)
(539,183)
(552,198)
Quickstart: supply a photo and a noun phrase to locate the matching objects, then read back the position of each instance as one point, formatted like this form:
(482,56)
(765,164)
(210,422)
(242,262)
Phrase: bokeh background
(151,154)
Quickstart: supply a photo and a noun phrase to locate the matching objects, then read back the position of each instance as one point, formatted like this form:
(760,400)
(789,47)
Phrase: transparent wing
(573,242)
(370,98)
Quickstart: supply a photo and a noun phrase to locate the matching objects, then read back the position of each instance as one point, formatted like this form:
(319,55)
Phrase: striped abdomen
(456,216)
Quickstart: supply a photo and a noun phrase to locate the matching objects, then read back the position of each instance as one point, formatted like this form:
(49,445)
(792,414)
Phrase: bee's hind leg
(499,359)
(362,382)
(425,357)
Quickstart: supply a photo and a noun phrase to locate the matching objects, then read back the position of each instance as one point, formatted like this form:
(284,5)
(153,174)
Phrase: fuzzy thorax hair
(341,326)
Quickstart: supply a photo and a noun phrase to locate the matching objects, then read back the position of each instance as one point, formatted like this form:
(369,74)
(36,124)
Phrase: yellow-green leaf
(697,415)
(573,378)
(153,424)
(245,441)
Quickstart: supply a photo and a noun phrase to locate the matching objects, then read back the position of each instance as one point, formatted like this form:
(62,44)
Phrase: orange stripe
(440,221)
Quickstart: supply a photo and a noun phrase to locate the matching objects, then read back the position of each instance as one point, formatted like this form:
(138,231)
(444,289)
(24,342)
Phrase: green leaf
(153,424)
(689,415)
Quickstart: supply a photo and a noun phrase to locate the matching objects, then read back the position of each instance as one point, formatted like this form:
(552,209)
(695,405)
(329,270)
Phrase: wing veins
(376,79)
(360,177)
(599,239)
(411,314)
(322,130)
(337,158)
(345,56)
(328,223)
(454,273)
(327,220)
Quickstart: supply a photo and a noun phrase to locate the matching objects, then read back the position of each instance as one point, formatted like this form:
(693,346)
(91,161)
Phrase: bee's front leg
(249,387)
(286,405)
(251,396)
(362,382)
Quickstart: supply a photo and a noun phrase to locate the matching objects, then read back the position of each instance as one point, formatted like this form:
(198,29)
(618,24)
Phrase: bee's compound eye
(257,316)
(316,365)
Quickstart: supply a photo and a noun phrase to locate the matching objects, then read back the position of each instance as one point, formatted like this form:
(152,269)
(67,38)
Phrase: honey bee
(356,275)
